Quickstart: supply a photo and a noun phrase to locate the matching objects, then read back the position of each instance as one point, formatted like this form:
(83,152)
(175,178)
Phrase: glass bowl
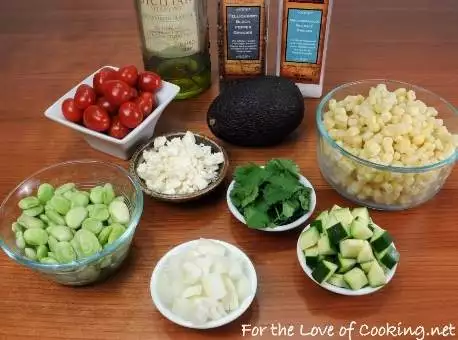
(380,186)
(85,174)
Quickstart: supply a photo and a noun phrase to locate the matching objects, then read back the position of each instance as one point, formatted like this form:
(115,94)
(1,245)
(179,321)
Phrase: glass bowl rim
(90,259)
(414,169)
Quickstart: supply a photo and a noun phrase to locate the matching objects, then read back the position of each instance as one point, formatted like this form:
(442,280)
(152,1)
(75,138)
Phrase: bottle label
(303,39)
(170,27)
(241,38)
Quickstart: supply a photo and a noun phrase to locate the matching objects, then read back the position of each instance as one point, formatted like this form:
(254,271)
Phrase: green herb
(270,196)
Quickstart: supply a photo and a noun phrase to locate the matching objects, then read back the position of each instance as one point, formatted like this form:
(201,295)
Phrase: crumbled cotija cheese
(179,166)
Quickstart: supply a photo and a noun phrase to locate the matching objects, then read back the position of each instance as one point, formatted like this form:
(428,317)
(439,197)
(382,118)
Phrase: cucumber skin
(337,233)
(318,224)
(382,242)
(311,261)
(323,271)
(389,257)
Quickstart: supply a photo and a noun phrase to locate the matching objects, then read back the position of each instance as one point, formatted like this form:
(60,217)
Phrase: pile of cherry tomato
(117,102)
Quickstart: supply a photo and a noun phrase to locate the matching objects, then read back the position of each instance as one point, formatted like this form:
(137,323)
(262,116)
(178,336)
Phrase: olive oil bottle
(175,44)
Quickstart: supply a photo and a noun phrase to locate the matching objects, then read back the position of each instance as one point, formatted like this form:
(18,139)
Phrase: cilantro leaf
(274,193)
(288,209)
(256,215)
(249,175)
(282,165)
(286,181)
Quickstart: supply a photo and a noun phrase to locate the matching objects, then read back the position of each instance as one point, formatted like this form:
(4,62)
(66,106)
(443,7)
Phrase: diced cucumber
(324,246)
(337,233)
(366,266)
(318,224)
(389,257)
(343,215)
(335,207)
(331,221)
(311,256)
(332,259)
(360,229)
(381,240)
(338,281)
(323,271)
(345,264)
(323,217)
(350,248)
(366,254)
(362,213)
(355,278)
(309,238)
(376,275)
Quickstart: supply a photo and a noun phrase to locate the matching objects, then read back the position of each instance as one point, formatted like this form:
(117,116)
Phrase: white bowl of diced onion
(386,144)
(203,284)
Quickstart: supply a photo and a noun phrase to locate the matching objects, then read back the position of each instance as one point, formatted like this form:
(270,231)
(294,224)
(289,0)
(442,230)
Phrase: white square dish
(121,148)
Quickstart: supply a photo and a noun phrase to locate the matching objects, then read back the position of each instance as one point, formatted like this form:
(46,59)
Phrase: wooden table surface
(49,45)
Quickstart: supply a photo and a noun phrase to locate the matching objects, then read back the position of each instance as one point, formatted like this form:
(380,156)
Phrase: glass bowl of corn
(386,144)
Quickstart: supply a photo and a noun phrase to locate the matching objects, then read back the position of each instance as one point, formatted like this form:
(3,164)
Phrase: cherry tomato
(117,130)
(130,115)
(146,101)
(116,92)
(128,74)
(133,93)
(106,105)
(71,112)
(102,76)
(84,96)
(96,118)
(149,81)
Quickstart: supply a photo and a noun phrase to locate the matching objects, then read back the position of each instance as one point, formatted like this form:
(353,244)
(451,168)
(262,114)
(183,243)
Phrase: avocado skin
(256,112)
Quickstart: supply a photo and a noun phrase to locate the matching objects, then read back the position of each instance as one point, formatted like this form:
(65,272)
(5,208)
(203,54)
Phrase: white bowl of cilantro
(272,198)
(345,252)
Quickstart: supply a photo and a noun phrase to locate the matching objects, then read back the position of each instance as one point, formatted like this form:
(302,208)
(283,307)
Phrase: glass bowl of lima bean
(72,222)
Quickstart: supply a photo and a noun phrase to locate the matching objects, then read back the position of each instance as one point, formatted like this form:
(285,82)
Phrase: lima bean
(109,194)
(64,188)
(75,217)
(87,242)
(104,234)
(79,200)
(68,195)
(16,227)
(42,251)
(51,254)
(64,252)
(30,222)
(76,248)
(61,233)
(20,242)
(90,273)
(45,192)
(35,236)
(44,218)
(100,212)
(48,260)
(92,224)
(30,253)
(119,212)
(116,232)
(97,194)
(55,217)
(60,204)
(28,202)
(52,242)
(35,211)
(105,262)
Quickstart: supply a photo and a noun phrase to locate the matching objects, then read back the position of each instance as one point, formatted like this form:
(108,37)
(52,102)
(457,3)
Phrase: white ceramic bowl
(300,221)
(339,290)
(121,148)
(167,313)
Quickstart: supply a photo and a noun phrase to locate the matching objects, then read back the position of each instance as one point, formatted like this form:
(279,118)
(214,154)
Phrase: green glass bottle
(174,36)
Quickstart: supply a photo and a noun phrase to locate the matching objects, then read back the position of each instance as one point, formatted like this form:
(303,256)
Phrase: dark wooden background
(49,45)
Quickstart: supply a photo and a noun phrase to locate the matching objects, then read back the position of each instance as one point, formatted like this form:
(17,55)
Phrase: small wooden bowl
(137,158)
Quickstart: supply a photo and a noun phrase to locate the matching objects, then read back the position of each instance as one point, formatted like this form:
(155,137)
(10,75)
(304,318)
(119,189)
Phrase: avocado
(259,111)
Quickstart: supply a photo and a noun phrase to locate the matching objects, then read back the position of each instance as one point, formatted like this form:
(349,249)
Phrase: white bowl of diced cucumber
(345,252)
